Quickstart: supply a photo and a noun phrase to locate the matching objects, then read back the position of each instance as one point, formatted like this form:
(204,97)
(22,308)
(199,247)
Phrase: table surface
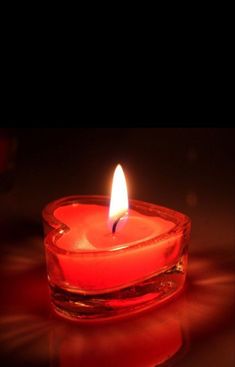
(195,329)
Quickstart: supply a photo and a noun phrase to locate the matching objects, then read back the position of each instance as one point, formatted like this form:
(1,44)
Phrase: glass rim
(57,228)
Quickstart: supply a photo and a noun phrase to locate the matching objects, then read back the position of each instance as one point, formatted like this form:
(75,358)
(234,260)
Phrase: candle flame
(119,196)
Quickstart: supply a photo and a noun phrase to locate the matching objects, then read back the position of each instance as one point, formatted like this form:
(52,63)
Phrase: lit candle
(97,255)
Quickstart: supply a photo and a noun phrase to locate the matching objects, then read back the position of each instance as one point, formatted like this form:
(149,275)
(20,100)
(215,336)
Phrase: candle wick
(115,225)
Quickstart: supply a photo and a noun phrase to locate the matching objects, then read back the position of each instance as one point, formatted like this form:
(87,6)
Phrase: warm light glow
(119,197)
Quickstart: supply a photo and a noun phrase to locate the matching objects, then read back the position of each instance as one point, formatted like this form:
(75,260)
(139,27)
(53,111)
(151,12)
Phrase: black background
(163,165)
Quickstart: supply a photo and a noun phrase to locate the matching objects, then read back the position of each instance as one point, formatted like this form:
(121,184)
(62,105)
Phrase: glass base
(113,304)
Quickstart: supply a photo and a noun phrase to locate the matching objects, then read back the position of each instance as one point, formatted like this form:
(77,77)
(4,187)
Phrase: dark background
(162,165)
(189,170)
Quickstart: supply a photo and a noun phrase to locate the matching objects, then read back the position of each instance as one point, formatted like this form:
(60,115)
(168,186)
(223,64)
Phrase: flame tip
(119,195)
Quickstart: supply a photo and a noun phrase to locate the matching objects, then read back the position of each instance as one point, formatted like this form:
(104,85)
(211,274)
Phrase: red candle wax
(101,260)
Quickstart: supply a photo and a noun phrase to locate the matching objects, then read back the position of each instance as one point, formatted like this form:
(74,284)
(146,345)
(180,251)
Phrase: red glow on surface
(27,326)
(152,345)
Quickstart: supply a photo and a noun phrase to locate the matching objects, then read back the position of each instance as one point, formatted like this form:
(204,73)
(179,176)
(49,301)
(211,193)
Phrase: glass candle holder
(99,282)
